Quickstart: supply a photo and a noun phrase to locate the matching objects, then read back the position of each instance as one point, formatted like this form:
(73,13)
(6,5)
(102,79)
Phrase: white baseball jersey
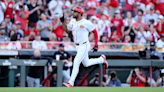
(80,29)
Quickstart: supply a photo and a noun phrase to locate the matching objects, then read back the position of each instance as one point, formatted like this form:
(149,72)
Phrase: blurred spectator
(140,13)
(38,43)
(18,24)
(128,17)
(17,83)
(48,13)
(114,36)
(131,31)
(158,12)
(130,6)
(143,35)
(118,23)
(14,45)
(33,11)
(91,6)
(35,72)
(53,80)
(159,5)
(66,3)
(102,12)
(113,81)
(19,4)
(91,37)
(103,5)
(151,16)
(50,44)
(127,39)
(3,25)
(160,81)
(21,15)
(26,44)
(32,32)
(44,26)
(103,39)
(95,81)
(136,79)
(160,25)
(153,32)
(57,28)
(139,22)
(9,9)
(56,7)
(160,42)
(114,5)
(65,57)
(3,37)
(14,28)
(104,26)
(8,22)
(2,10)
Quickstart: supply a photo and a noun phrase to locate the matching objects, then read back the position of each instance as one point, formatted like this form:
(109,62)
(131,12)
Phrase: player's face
(75,14)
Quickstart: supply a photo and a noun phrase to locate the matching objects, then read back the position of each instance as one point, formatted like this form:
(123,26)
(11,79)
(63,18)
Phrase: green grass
(84,89)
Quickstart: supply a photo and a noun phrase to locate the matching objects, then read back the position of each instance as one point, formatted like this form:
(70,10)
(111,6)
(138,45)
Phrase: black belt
(79,44)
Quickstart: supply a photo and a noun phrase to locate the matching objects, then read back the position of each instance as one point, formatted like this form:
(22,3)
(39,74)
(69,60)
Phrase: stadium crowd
(117,21)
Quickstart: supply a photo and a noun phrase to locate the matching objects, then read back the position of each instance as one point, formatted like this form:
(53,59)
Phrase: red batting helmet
(78,9)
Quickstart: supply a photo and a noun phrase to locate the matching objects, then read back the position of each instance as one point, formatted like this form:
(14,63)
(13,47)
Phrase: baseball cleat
(67,84)
(105,62)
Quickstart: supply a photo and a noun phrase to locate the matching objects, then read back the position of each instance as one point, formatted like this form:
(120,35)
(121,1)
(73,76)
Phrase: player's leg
(37,82)
(88,62)
(30,81)
(66,76)
(82,50)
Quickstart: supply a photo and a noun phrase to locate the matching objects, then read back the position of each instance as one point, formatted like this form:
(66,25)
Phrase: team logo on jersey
(81,26)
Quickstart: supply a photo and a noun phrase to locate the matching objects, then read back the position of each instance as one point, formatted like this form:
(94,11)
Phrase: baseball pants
(66,76)
(82,56)
(33,82)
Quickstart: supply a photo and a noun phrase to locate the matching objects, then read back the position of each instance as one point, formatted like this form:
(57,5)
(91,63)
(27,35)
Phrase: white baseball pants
(82,56)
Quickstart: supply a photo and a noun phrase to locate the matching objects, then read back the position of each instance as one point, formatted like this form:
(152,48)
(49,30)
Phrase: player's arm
(64,26)
(95,48)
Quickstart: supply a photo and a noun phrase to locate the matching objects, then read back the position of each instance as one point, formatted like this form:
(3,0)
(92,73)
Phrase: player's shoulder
(85,21)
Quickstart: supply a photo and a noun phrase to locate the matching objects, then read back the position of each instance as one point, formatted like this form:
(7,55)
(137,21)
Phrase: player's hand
(50,69)
(62,18)
(95,48)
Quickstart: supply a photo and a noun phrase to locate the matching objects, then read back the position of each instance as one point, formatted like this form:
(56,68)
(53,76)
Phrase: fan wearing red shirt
(57,28)
(160,25)
(22,15)
(91,6)
(113,7)
(136,79)
(32,32)
(129,6)
(159,5)
(9,10)
(117,22)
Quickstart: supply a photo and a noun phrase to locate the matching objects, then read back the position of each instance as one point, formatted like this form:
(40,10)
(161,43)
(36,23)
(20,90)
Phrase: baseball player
(80,29)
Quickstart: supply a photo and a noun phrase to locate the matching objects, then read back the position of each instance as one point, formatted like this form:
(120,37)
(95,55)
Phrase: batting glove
(95,48)
(62,19)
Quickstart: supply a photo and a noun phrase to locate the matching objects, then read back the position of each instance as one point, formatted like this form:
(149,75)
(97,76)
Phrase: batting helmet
(78,9)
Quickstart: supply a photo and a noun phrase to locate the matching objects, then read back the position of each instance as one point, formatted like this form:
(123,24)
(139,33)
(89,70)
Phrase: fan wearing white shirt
(128,17)
(2,10)
(160,42)
(151,16)
(153,33)
(56,6)
(143,35)
(38,43)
